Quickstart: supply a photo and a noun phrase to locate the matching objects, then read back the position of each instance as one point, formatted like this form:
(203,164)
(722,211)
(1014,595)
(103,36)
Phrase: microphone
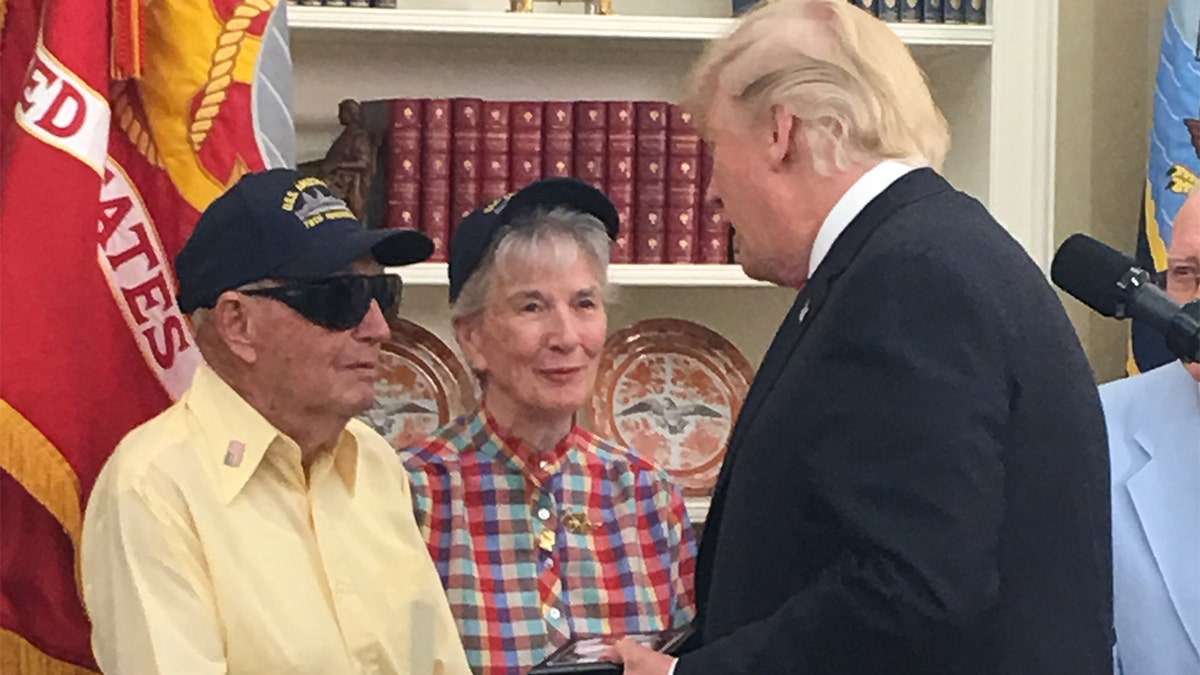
(1111,283)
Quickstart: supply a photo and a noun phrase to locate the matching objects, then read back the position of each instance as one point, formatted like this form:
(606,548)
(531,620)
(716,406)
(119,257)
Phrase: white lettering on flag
(140,277)
(60,109)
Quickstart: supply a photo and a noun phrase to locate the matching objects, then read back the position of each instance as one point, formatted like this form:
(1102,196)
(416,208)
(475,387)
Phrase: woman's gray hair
(555,236)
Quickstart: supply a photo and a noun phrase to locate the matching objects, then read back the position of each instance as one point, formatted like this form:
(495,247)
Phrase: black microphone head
(1091,271)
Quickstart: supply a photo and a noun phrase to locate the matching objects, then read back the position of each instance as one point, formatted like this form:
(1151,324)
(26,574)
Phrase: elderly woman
(539,529)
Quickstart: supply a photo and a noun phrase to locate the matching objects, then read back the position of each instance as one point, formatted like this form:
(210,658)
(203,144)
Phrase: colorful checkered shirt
(534,548)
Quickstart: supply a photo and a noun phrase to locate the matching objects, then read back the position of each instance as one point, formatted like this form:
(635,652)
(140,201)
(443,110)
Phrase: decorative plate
(671,389)
(422,386)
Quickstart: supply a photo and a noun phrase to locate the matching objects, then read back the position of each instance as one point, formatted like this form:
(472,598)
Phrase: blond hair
(852,84)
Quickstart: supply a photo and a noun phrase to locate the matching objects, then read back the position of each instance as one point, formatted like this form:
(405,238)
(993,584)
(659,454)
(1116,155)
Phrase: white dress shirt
(868,187)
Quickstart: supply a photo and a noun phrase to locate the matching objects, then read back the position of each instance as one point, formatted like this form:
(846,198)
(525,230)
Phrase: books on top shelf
(442,158)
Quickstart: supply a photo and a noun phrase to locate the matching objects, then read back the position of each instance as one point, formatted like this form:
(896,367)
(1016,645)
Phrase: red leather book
(404,163)
(619,174)
(683,186)
(558,139)
(713,246)
(526,124)
(467,154)
(591,140)
(435,175)
(650,181)
(494,176)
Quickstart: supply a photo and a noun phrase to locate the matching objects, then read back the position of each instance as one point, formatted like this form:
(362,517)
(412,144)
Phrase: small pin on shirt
(234,453)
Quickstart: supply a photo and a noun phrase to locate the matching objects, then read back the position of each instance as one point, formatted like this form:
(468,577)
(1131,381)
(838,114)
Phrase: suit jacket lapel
(911,187)
(785,340)
(1166,494)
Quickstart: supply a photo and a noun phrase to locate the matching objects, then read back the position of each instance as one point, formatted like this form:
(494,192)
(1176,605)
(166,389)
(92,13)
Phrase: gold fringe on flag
(32,459)
(17,655)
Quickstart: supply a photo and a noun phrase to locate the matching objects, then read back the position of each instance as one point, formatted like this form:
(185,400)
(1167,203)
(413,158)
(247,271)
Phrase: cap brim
(571,193)
(401,247)
(388,247)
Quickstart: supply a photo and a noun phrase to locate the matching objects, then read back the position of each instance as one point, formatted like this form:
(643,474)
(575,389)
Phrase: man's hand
(640,660)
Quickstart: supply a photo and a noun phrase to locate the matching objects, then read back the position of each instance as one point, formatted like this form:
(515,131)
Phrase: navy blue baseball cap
(278,224)
(475,233)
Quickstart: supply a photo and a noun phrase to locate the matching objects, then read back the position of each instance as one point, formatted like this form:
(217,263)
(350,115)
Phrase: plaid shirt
(533,548)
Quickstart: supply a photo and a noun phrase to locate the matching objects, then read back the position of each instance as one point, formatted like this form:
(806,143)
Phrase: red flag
(101,181)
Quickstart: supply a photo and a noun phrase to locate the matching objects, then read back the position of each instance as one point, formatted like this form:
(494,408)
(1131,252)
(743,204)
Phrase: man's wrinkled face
(1183,265)
(314,369)
(735,185)
(772,239)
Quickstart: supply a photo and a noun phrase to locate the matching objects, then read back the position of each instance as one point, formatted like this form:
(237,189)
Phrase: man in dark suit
(918,480)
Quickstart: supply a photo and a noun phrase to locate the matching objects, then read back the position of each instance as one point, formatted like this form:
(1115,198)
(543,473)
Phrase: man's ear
(784,130)
(469,333)
(237,325)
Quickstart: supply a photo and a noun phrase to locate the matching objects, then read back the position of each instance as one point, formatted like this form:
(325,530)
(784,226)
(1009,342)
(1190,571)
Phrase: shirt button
(555,613)
(543,514)
(544,464)
(549,563)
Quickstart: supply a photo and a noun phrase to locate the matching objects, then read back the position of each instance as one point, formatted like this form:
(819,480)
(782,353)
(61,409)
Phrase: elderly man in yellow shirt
(254,526)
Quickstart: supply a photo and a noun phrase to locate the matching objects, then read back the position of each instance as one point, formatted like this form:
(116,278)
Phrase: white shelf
(434,274)
(416,21)
(680,275)
(697,508)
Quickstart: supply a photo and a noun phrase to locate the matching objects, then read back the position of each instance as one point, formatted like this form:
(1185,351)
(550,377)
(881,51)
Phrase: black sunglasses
(339,302)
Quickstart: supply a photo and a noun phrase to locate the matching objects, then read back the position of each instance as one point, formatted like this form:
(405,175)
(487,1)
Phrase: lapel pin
(234,453)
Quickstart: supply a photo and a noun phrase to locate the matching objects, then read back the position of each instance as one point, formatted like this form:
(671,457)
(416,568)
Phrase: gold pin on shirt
(577,523)
(546,540)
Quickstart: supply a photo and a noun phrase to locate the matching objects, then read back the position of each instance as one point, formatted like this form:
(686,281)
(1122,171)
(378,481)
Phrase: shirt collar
(522,456)
(345,459)
(236,437)
(869,186)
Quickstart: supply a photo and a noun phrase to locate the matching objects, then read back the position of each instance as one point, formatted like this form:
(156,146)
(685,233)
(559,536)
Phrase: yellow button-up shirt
(207,550)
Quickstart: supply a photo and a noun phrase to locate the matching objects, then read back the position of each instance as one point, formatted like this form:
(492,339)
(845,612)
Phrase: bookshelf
(995,83)
(463,24)
(666,276)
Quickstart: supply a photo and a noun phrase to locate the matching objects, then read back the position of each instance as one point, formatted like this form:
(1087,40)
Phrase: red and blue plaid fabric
(535,547)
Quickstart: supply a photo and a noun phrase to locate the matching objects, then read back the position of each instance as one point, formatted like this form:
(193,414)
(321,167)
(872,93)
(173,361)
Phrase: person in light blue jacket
(1153,422)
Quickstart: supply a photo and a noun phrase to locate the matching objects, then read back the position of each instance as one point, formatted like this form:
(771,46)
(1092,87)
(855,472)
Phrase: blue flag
(1174,162)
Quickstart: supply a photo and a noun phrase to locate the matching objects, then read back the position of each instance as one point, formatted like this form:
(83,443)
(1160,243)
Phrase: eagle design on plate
(422,385)
(670,414)
(671,389)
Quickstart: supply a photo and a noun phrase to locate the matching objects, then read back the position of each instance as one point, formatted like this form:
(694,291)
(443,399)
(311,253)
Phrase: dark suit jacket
(918,480)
